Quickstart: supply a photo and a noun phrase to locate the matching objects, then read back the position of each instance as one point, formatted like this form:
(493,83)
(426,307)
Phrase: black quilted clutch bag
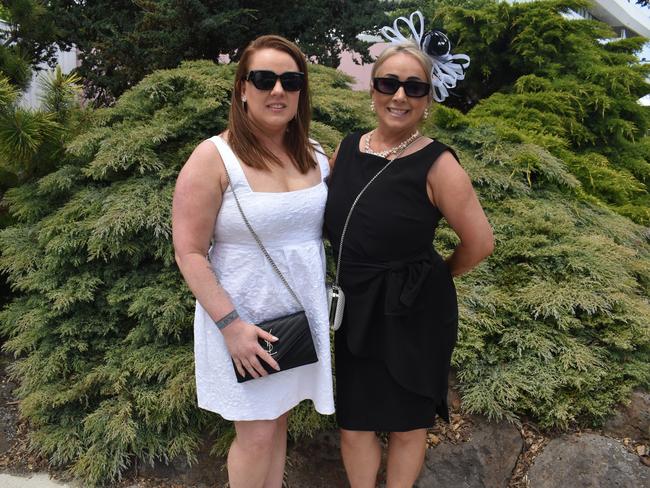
(294,347)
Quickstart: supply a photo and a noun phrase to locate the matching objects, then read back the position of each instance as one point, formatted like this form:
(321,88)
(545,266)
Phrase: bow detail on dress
(404,280)
(395,283)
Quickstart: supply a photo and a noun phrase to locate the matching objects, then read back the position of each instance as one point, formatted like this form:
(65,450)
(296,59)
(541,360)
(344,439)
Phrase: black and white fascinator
(447,69)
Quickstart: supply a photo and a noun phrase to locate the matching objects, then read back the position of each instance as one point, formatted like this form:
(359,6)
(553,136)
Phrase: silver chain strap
(347,220)
(259,242)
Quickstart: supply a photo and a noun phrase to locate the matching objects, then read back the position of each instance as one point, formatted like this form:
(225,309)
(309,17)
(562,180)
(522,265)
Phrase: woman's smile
(277,106)
(398,112)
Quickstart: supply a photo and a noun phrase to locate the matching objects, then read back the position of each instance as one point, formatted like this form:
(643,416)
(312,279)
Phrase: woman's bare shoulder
(204,169)
(205,158)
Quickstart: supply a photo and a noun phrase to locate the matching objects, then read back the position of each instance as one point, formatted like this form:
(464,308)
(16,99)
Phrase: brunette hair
(410,48)
(242,130)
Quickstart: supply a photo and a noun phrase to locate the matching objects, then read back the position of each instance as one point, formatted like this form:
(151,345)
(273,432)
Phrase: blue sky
(643,12)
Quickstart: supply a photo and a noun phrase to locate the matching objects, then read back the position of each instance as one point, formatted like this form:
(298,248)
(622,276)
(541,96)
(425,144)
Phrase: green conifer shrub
(555,324)
(32,140)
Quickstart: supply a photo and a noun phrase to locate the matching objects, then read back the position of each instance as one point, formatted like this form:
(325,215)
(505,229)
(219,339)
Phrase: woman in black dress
(394,346)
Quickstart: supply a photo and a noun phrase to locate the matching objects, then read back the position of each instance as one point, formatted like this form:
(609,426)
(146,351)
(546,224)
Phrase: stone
(485,461)
(587,461)
(633,420)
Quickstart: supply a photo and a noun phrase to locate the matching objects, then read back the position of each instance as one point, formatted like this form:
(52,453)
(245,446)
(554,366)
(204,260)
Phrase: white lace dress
(290,226)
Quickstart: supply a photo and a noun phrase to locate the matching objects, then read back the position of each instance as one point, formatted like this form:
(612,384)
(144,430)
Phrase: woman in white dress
(277,174)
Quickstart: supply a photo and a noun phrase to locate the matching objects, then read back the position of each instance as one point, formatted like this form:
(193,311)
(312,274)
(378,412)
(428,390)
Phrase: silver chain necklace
(393,150)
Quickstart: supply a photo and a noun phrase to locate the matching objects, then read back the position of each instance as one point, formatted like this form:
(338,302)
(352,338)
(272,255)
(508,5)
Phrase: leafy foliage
(26,40)
(555,324)
(31,141)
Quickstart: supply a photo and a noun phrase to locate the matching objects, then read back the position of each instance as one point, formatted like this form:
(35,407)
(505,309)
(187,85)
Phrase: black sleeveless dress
(394,346)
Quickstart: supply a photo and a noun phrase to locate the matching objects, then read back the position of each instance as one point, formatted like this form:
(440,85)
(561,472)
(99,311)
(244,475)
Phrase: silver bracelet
(227,320)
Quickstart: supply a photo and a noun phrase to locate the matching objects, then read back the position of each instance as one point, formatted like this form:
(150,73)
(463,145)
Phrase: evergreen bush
(554,325)
(32,140)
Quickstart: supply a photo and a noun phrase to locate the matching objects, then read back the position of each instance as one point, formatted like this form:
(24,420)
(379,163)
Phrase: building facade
(31,98)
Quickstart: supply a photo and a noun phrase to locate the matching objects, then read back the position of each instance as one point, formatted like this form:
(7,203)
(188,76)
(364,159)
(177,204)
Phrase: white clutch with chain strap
(336,304)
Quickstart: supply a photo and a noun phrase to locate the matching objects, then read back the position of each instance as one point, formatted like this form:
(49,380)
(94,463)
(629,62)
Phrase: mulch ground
(15,454)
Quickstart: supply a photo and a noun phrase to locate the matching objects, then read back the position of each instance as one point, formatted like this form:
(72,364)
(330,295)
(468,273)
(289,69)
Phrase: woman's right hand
(242,342)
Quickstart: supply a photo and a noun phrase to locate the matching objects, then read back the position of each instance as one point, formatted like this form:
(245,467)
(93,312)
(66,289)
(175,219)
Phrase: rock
(587,460)
(633,420)
(485,461)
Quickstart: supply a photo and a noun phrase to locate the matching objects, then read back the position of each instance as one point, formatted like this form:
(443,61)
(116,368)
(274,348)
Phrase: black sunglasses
(412,88)
(265,80)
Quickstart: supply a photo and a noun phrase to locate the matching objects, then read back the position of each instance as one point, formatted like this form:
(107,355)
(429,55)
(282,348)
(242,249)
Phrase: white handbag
(336,303)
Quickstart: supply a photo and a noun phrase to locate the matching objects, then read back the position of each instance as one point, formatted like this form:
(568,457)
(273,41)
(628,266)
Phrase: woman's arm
(450,189)
(197,200)
(332,160)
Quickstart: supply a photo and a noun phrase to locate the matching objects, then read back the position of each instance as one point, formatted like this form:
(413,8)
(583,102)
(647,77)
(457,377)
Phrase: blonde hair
(410,48)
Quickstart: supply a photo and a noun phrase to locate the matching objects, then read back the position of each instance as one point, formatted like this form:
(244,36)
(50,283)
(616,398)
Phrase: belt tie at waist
(400,281)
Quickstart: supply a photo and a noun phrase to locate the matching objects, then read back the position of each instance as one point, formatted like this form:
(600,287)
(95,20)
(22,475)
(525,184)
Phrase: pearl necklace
(393,150)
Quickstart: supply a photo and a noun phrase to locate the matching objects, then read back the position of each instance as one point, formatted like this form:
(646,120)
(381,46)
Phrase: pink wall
(360,71)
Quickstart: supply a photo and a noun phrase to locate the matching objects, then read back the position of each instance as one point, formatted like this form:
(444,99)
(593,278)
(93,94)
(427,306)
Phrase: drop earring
(372,105)
(243,101)
(426,113)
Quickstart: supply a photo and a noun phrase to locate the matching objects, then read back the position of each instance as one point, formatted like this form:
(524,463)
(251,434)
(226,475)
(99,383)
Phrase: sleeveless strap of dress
(321,159)
(231,162)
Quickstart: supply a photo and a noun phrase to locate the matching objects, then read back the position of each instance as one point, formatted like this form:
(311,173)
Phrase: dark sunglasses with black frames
(265,80)
(412,88)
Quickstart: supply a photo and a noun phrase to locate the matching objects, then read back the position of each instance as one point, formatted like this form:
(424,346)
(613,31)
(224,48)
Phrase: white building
(625,17)
(66,59)
(31,97)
